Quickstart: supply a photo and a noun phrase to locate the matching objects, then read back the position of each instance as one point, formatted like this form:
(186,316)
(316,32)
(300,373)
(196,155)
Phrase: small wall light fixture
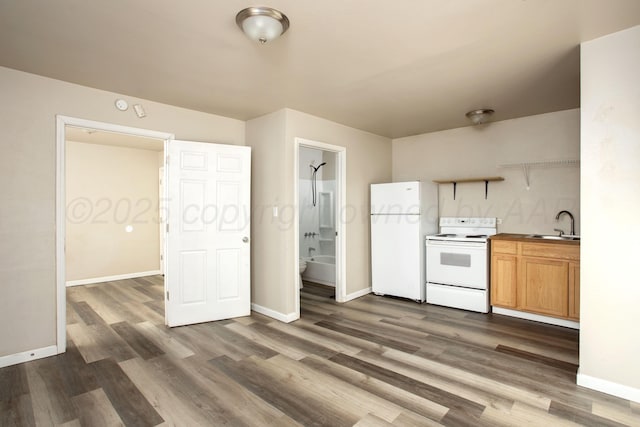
(480,116)
(261,23)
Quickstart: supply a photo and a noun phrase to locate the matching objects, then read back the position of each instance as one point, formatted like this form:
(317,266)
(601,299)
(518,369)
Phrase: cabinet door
(574,290)
(503,280)
(544,286)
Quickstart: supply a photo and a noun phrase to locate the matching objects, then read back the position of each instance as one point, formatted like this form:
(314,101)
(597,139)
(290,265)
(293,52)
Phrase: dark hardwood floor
(374,361)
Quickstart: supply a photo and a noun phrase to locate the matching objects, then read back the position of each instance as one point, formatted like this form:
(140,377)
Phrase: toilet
(303,266)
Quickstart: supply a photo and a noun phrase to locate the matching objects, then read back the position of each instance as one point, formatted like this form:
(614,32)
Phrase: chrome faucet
(573,222)
(311,250)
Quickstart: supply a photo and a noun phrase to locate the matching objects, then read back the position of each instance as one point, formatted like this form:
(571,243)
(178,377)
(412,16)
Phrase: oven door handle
(441,244)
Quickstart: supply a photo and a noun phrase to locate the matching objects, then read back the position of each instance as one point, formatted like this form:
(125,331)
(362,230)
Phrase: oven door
(457,263)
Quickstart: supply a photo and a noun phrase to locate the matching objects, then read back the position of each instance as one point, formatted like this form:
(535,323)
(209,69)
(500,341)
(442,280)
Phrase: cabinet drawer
(555,251)
(502,247)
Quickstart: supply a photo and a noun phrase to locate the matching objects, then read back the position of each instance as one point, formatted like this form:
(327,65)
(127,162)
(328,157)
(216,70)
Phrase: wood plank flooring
(374,361)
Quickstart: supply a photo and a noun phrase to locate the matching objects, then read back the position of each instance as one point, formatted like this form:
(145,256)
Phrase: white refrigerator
(402,214)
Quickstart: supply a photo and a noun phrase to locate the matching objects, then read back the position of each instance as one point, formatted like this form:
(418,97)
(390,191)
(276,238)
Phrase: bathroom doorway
(316,216)
(320,200)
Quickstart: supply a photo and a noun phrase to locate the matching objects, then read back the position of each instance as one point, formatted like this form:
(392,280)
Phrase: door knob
(245,239)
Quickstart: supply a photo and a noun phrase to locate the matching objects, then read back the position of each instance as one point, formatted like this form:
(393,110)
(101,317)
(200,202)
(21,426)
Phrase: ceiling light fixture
(261,23)
(480,116)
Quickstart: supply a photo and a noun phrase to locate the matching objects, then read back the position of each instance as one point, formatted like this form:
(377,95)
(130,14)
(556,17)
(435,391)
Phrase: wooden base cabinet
(503,280)
(574,290)
(540,278)
(545,286)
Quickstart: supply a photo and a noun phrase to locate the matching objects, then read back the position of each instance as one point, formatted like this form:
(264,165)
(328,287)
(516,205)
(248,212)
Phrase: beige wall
(28,164)
(368,161)
(610,288)
(107,189)
(266,136)
(273,140)
(478,151)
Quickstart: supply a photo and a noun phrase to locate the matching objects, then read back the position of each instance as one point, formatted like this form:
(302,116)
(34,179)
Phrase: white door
(207,259)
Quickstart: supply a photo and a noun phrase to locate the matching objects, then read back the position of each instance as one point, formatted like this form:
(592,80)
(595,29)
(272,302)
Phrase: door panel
(193,268)
(504,276)
(545,286)
(192,196)
(228,277)
(208,249)
(228,196)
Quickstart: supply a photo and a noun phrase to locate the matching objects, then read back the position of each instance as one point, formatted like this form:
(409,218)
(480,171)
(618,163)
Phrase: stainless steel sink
(553,237)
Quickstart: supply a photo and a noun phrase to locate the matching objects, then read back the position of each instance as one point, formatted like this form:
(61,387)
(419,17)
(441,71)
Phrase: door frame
(340,215)
(61,145)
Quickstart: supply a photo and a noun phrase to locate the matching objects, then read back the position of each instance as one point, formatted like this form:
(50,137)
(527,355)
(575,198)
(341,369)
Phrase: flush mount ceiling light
(478,117)
(261,23)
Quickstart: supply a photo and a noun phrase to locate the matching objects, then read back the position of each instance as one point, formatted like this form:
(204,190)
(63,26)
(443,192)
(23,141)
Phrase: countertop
(523,238)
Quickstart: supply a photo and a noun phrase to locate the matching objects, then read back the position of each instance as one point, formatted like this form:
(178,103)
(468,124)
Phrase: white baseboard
(357,294)
(26,356)
(609,387)
(536,317)
(286,318)
(112,278)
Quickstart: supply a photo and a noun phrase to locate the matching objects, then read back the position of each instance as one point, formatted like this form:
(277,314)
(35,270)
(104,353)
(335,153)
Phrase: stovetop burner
(455,229)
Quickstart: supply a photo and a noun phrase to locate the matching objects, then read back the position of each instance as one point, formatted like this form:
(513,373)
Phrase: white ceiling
(394,68)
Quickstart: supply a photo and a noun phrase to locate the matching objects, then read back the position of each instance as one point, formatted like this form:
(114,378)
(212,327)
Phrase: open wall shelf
(526,166)
(455,183)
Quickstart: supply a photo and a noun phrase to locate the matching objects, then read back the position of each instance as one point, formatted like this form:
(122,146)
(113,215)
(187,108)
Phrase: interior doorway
(317,216)
(113,206)
(319,225)
(113,242)
(207,245)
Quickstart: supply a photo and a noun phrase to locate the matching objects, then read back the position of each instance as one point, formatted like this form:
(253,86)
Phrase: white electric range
(457,263)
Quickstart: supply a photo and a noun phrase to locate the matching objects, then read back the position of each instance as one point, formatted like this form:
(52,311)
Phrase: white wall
(107,189)
(477,151)
(28,164)
(610,288)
